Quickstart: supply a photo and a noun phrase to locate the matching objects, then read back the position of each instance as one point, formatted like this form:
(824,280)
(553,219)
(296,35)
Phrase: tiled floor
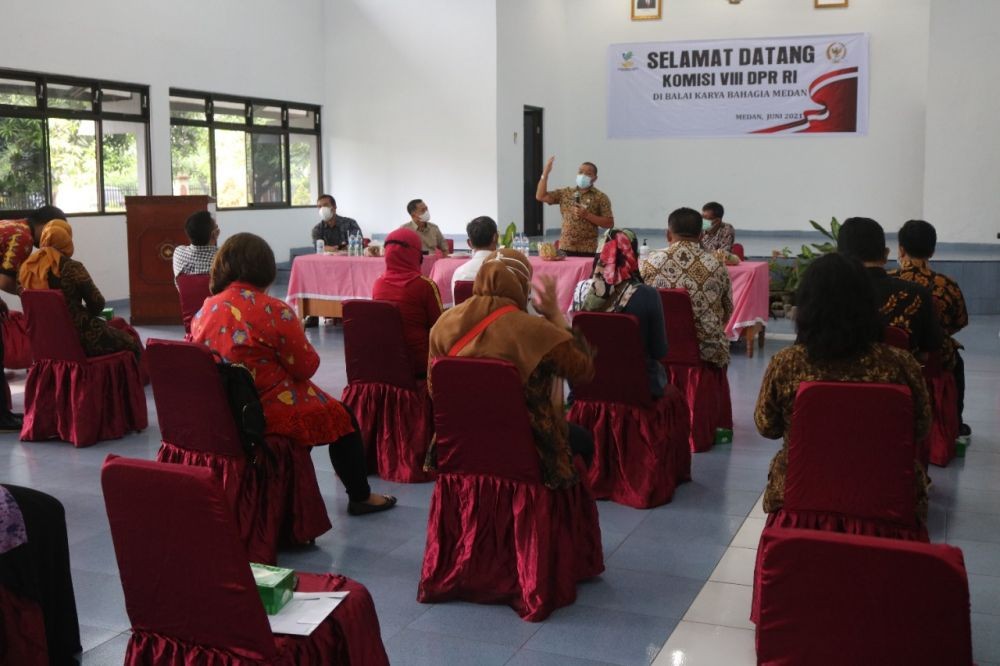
(676,587)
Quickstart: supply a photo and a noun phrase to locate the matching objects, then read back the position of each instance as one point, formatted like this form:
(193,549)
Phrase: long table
(320,283)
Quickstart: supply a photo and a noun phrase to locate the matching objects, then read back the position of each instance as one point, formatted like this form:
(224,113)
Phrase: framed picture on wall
(645,10)
(826,4)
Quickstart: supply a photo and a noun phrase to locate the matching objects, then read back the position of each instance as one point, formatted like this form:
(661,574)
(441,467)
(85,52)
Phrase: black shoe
(363,508)
(11,422)
(311,322)
(964,430)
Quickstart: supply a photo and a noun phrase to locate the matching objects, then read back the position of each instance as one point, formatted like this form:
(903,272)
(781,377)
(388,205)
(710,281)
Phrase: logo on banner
(627,63)
(836,52)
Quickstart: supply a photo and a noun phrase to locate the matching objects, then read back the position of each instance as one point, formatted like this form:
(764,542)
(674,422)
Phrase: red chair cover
(463,291)
(69,396)
(392,408)
(16,343)
(495,534)
(897,337)
(844,599)
(192,290)
(705,386)
(940,444)
(854,474)
(277,497)
(738,251)
(640,445)
(189,593)
(22,630)
(451,245)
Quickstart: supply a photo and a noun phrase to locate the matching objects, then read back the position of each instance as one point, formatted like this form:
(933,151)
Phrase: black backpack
(244,402)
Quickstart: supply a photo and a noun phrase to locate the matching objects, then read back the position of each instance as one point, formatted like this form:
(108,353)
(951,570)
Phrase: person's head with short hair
(37,219)
(917,240)
(586,175)
(327,207)
(418,212)
(684,224)
(244,257)
(713,210)
(864,239)
(201,228)
(483,234)
(836,314)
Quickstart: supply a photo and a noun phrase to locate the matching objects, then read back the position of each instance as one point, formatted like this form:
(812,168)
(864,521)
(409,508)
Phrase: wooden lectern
(155,227)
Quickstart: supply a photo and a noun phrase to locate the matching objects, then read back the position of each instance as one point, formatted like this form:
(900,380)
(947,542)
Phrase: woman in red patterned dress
(245,325)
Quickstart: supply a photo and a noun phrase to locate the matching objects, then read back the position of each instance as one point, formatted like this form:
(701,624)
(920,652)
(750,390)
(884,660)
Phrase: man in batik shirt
(686,265)
(584,208)
(903,304)
(917,242)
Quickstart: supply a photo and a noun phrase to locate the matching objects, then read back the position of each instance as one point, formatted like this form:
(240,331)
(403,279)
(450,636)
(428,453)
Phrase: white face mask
(583,181)
(325,213)
(425,217)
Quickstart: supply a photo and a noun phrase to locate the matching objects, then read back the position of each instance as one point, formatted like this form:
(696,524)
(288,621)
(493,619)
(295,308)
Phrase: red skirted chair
(192,291)
(22,630)
(273,498)
(705,386)
(463,291)
(189,591)
(640,443)
(897,337)
(451,245)
(69,396)
(392,407)
(850,461)
(738,251)
(944,403)
(16,343)
(495,533)
(831,599)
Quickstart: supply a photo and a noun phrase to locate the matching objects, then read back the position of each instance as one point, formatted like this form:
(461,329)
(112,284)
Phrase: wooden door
(155,227)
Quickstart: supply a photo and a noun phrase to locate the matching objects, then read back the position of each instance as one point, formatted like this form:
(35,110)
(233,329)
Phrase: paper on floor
(304,612)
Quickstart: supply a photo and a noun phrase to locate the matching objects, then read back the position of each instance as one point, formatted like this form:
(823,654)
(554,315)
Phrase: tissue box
(723,436)
(274,584)
(108,314)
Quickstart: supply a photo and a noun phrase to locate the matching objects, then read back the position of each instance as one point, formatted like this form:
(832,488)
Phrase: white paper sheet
(304,612)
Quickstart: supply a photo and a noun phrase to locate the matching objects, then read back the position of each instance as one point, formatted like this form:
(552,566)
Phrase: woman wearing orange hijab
(52,268)
(543,349)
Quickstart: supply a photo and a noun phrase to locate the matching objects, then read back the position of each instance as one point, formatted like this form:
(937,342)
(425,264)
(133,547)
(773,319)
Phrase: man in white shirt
(483,238)
(196,258)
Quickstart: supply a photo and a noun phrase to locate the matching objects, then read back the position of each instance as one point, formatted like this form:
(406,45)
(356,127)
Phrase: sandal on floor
(362,508)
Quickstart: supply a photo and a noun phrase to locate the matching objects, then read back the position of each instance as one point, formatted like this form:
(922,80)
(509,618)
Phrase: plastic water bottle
(352,245)
(320,246)
(643,250)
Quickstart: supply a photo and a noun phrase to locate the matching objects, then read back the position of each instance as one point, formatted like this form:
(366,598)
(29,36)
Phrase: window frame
(41,111)
(284,130)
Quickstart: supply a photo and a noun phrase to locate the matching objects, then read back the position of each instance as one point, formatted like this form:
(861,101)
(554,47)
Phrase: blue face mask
(583,181)
(706,224)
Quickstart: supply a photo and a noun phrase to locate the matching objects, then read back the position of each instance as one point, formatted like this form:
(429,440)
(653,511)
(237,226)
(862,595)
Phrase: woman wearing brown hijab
(543,349)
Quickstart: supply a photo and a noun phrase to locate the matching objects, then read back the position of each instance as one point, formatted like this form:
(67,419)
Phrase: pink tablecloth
(751,288)
(337,277)
(567,273)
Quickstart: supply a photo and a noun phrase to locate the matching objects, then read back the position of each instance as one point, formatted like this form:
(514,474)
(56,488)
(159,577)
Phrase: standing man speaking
(584,209)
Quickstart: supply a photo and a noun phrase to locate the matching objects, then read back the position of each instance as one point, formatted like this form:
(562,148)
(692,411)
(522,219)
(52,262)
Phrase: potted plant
(787,268)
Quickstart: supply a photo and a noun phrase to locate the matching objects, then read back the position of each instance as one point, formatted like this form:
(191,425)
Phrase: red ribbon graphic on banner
(836,93)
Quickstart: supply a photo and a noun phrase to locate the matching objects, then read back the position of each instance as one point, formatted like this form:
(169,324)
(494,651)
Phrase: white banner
(739,87)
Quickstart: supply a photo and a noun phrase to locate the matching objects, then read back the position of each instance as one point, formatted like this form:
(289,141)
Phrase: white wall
(960,187)
(552,54)
(257,48)
(410,110)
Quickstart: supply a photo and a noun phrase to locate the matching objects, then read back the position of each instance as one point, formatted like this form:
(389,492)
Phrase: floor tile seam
(713,624)
(103,643)
(571,656)
(950,510)
(703,579)
(629,610)
(431,632)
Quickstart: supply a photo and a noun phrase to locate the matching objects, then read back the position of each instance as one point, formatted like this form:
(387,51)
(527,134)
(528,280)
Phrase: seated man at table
(483,237)
(904,305)
(420,221)
(716,234)
(333,229)
(196,258)
(416,295)
(686,265)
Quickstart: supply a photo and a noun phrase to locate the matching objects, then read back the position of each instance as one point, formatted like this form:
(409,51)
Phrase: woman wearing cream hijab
(52,268)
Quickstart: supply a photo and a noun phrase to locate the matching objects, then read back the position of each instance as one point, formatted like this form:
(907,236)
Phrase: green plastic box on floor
(723,436)
(274,584)
(108,314)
